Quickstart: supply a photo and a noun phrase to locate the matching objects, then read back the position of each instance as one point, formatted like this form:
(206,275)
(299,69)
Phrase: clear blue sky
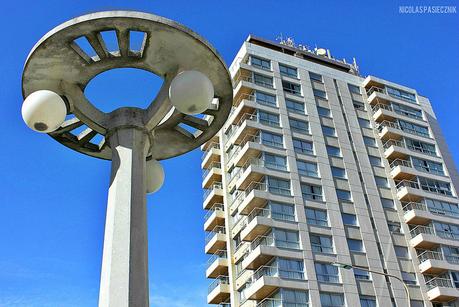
(52,200)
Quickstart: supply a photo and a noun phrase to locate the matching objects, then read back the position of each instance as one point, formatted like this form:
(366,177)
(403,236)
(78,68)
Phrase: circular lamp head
(155,176)
(44,111)
(191,92)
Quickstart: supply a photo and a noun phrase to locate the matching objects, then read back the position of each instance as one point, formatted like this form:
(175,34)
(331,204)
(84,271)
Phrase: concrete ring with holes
(59,64)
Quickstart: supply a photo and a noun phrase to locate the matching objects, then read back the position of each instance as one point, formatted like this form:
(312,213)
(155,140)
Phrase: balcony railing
(430,255)
(215,207)
(268,213)
(253,80)
(408,206)
(421,229)
(379,106)
(211,146)
(401,143)
(220,280)
(275,302)
(262,241)
(274,271)
(261,186)
(439,282)
(407,184)
(206,171)
(397,126)
(220,254)
(215,185)
(214,232)
(373,89)
(400,162)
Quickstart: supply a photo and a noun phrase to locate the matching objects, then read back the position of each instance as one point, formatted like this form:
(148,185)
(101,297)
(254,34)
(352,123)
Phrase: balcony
(441,290)
(247,105)
(416,213)
(211,175)
(260,220)
(424,237)
(398,149)
(392,130)
(214,217)
(219,290)
(215,240)
(217,265)
(255,169)
(249,147)
(256,195)
(401,169)
(435,263)
(382,111)
(408,190)
(213,195)
(263,248)
(211,155)
(267,279)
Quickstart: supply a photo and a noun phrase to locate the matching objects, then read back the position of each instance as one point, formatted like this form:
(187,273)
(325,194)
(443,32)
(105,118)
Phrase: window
(260,63)
(316,217)
(315,77)
(279,186)
(358,105)
(441,207)
(311,192)
(369,141)
(286,238)
(280,211)
(394,227)
(324,111)
(291,88)
(407,111)
(291,298)
(288,71)
(266,99)
(343,195)
(375,161)
(275,162)
(263,80)
(368,301)
(435,186)
(349,219)
(381,182)
(338,172)
(448,231)
(409,278)
(427,166)
(299,126)
(355,245)
(328,131)
(289,268)
(414,129)
(321,244)
(333,151)
(272,139)
(295,106)
(319,93)
(421,147)
(269,119)
(307,169)
(401,251)
(361,274)
(387,203)
(326,272)
(364,123)
(303,147)
(401,94)
(354,89)
(328,299)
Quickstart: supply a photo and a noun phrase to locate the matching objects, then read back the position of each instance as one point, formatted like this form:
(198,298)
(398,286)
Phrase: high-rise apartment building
(318,165)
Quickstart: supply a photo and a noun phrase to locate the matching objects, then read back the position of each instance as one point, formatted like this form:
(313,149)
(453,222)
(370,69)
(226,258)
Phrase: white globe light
(155,176)
(44,111)
(191,92)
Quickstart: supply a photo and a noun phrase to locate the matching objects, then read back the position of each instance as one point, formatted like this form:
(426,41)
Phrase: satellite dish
(321,51)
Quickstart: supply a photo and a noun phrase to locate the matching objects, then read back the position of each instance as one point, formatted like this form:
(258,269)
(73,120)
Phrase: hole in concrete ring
(123,87)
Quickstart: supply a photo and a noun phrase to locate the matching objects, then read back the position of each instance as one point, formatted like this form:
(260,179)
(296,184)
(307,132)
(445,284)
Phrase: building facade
(317,165)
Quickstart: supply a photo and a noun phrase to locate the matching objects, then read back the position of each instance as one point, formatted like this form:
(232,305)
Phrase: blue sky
(52,200)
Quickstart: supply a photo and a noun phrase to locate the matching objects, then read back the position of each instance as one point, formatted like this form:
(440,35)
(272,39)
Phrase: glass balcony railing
(268,213)
(220,280)
(220,254)
(275,302)
(380,126)
(275,271)
(213,165)
(399,111)
(214,208)
(211,146)
(260,186)
(421,206)
(429,229)
(401,143)
(215,185)
(211,234)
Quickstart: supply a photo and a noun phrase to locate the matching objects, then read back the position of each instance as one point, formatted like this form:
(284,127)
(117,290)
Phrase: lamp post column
(124,277)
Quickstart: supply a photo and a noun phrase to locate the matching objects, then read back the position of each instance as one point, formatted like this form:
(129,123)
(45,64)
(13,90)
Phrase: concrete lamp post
(191,106)
(349,266)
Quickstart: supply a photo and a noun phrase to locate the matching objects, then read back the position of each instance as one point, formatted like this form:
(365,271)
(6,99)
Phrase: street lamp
(350,266)
(196,81)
